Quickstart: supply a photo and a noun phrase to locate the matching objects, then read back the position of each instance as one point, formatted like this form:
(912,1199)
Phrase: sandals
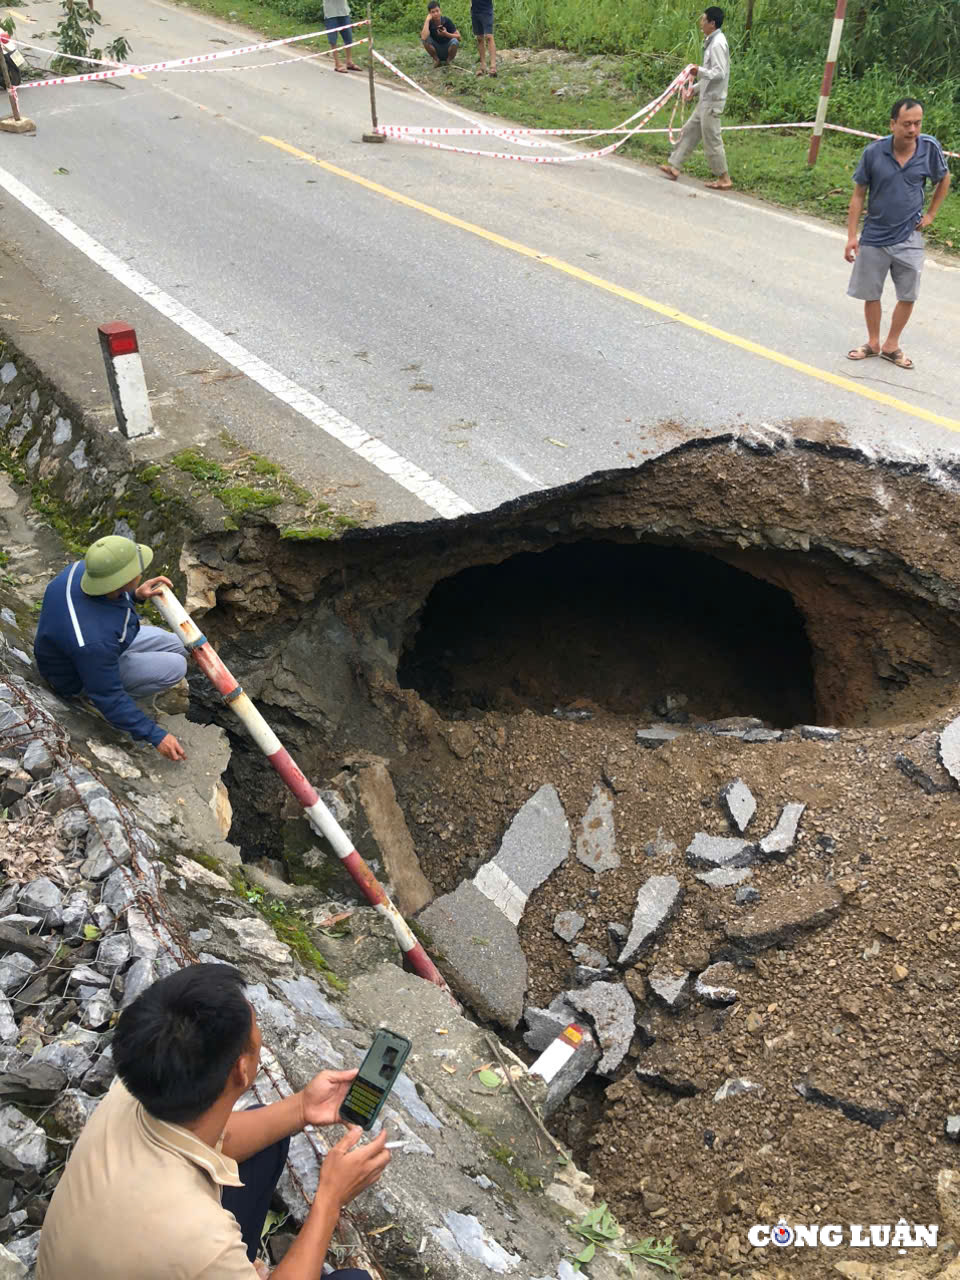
(668,172)
(719,186)
(352,67)
(342,70)
(865,352)
(898,358)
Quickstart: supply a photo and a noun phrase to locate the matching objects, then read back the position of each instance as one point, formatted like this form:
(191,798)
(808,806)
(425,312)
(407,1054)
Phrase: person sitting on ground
(90,640)
(166,1179)
(336,14)
(440,36)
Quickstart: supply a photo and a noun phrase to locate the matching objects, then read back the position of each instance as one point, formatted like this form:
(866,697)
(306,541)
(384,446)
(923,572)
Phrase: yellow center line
(629,295)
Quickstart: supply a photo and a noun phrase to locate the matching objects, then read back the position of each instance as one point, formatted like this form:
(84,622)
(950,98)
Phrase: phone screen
(377,1076)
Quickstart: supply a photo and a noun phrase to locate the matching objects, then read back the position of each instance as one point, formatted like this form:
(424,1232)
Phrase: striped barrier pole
(825,86)
(317,813)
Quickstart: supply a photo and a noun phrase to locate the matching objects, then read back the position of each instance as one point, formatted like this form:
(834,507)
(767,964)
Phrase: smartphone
(376,1077)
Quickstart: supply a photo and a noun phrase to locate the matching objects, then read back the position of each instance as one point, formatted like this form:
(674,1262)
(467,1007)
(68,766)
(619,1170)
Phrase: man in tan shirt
(167,1181)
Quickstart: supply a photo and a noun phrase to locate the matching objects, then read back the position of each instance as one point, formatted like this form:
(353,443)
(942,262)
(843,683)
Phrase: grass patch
(289,927)
(315,533)
(75,532)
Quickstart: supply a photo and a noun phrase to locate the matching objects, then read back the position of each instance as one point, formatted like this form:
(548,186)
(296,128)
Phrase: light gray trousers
(156,661)
(703,126)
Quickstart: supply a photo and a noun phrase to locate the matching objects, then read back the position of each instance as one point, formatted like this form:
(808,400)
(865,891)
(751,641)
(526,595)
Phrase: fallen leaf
(451,1071)
(558,443)
(489,1079)
(61,170)
(380,1230)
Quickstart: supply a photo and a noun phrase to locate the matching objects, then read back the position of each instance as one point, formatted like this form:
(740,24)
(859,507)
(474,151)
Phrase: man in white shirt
(713,79)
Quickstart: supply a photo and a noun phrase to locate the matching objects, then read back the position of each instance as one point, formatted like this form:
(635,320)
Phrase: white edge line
(420,483)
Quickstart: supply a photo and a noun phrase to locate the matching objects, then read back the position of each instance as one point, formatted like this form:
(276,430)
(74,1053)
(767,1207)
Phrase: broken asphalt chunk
(818,732)
(733,1086)
(785,914)
(544,1025)
(536,842)
(671,987)
(715,984)
(719,851)
(657,735)
(671,1079)
(781,838)
(874,1117)
(657,901)
(948,749)
(611,1009)
(724,877)
(597,839)
(914,773)
(567,924)
(740,806)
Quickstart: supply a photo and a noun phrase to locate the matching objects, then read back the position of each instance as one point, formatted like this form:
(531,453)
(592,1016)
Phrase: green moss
(206,860)
(290,929)
(345,522)
(4,558)
(149,473)
(74,531)
(316,533)
(199,467)
(239,498)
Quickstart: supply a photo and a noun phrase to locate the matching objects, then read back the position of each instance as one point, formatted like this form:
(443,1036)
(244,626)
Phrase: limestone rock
(256,936)
(596,843)
(23,1139)
(725,877)
(785,914)
(671,987)
(11,1268)
(658,899)
(305,994)
(38,761)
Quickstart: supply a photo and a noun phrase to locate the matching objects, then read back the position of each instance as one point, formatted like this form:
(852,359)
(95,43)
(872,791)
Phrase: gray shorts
(874,262)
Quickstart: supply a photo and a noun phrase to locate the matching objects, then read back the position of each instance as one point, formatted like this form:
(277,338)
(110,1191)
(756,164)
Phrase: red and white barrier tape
(510,134)
(261,66)
(128,69)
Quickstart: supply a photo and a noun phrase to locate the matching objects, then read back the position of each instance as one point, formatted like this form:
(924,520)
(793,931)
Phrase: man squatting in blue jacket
(90,640)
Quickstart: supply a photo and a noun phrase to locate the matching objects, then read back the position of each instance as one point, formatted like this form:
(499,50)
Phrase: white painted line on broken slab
(423,486)
(501,890)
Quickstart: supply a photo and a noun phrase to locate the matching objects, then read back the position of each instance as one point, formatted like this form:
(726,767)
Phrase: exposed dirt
(832,1006)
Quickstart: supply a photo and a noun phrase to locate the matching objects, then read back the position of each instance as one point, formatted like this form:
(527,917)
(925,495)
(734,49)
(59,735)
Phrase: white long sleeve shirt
(714,78)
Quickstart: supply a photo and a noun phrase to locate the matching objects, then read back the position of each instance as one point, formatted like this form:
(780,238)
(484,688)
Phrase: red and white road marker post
(128,386)
(825,86)
(315,811)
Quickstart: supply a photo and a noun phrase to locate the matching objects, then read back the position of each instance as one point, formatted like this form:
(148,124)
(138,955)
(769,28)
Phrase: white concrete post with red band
(319,816)
(128,386)
(825,86)
(558,1053)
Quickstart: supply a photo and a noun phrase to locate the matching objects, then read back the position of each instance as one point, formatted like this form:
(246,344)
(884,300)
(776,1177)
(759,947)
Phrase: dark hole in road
(616,625)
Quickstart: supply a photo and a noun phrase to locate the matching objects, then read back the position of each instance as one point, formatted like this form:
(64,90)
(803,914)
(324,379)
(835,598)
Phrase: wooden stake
(373,136)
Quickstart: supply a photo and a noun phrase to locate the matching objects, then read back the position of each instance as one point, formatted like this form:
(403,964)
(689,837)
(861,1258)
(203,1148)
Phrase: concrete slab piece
(657,900)
(949,749)
(481,952)
(596,843)
(567,924)
(724,877)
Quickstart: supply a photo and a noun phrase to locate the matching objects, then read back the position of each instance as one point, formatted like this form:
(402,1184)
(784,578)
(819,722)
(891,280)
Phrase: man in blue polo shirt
(895,171)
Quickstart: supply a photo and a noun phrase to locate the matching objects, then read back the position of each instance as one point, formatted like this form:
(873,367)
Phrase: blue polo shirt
(897,191)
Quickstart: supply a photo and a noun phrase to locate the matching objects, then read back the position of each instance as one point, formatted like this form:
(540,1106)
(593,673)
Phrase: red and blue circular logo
(782,1235)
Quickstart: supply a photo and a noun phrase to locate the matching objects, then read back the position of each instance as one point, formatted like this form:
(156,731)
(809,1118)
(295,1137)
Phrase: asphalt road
(503,326)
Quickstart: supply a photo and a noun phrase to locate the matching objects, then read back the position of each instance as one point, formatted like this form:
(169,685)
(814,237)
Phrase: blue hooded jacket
(78,645)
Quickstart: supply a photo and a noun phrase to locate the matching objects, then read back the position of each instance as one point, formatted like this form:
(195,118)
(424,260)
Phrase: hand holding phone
(377,1075)
(350,1167)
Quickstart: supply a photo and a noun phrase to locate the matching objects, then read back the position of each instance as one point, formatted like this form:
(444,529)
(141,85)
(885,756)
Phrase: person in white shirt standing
(713,80)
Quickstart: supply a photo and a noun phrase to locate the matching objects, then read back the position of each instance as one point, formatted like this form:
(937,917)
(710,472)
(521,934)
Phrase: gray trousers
(156,661)
(703,126)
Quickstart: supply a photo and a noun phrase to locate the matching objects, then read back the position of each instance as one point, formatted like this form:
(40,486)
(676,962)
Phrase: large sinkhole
(619,626)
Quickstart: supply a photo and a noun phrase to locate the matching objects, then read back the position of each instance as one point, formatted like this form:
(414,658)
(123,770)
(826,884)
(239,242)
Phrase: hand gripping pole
(317,813)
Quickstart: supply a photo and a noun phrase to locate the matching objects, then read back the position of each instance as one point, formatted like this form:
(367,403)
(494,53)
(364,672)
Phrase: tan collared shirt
(140,1200)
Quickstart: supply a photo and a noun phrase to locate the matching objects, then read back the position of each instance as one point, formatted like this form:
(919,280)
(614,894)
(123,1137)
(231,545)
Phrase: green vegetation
(288,925)
(264,467)
(612,57)
(199,467)
(240,497)
(206,860)
(75,531)
(149,473)
(601,1230)
(313,533)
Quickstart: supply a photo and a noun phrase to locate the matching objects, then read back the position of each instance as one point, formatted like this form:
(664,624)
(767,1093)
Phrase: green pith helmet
(111,563)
